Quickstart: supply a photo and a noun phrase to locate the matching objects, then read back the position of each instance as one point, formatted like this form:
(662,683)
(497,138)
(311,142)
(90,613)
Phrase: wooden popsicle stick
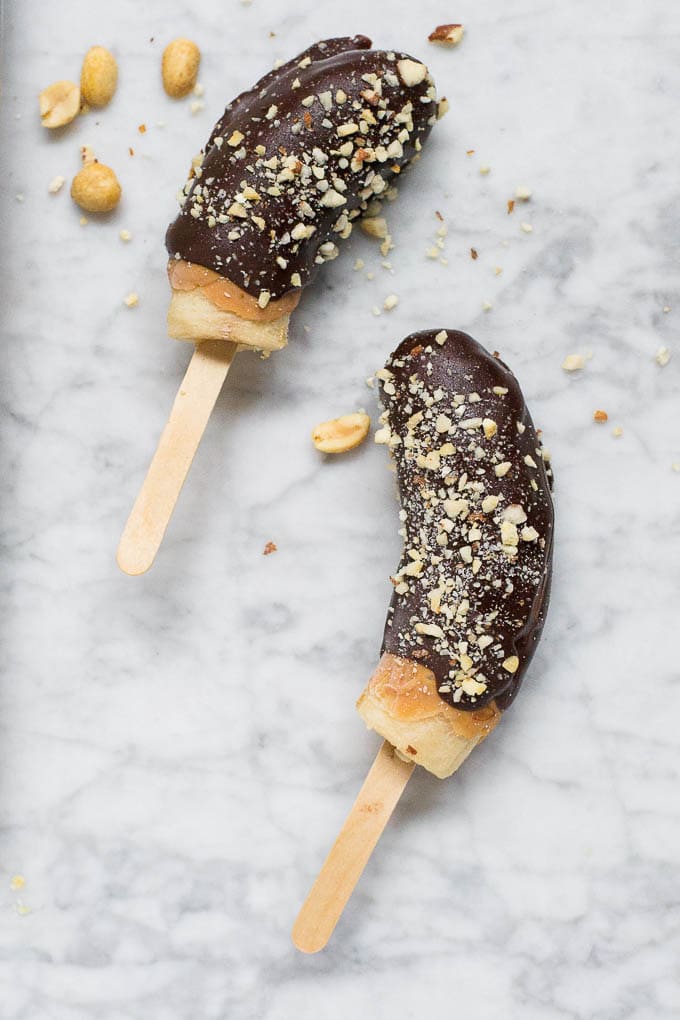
(342,869)
(177,446)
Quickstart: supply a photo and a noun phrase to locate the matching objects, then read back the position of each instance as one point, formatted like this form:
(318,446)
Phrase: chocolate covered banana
(471,590)
(288,168)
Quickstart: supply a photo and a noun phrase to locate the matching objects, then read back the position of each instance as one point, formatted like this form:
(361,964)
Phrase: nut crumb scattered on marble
(573,363)
(448,35)
(269,548)
(485,169)
(618,431)
(125,235)
(662,356)
(526,228)
(487,306)
(390,302)
(511,205)
(17,882)
(600,416)
(374,226)
(56,184)
(132,300)
(523,193)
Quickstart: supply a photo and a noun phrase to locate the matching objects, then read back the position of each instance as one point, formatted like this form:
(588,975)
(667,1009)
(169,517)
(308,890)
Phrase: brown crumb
(131,151)
(473,253)
(469,152)
(511,205)
(269,548)
(439,215)
(449,34)
(411,750)
(600,416)
(142,129)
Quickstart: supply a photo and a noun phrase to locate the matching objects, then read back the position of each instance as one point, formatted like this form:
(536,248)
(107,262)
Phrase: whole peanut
(95,188)
(99,76)
(181,58)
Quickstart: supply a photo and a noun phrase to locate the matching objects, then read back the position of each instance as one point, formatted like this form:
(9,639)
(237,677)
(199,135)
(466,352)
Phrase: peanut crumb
(56,184)
(269,548)
(132,300)
(526,228)
(600,416)
(449,35)
(523,193)
(125,235)
(573,363)
(662,356)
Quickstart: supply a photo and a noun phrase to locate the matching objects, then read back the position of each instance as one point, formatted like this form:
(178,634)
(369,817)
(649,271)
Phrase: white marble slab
(178,751)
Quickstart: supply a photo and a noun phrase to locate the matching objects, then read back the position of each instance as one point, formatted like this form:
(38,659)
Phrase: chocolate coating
(472,588)
(293,161)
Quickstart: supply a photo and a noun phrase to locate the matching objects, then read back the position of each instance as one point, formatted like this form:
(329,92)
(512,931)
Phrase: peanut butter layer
(225,295)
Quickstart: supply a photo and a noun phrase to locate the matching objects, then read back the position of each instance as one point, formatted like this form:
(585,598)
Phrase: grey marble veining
(178,751)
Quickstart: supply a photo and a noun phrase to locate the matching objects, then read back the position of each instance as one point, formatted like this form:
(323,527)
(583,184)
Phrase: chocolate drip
(473,584)
(293,161)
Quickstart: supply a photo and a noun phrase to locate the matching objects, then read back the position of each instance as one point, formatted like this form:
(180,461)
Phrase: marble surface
(178,751)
